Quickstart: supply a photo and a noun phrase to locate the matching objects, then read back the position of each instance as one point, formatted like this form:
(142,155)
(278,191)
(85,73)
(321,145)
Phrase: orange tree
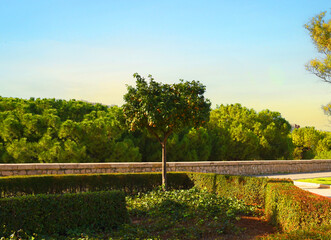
(165,108)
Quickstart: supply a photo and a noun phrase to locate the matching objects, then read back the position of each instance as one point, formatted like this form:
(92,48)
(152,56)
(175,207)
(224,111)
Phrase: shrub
(249,189)
(57,214)
(292,208)
(51,184)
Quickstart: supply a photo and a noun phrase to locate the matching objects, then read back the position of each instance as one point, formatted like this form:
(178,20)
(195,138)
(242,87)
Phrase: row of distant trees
(51,131)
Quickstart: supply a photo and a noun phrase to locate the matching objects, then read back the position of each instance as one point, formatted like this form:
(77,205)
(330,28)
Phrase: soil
(253,227)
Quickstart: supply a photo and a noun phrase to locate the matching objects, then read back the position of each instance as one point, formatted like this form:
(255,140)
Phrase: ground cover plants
(183,214)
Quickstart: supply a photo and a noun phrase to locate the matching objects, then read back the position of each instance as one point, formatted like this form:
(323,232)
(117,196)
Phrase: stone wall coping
(256,162)
(62,166)
(222,167)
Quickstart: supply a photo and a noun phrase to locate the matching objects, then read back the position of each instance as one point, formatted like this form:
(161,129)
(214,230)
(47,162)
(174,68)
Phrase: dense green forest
(52,130)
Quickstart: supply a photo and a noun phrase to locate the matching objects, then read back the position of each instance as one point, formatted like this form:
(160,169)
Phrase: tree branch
(154,133)
(167,134)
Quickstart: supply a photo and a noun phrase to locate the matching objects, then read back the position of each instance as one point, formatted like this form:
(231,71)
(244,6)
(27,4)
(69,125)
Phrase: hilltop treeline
(51,131)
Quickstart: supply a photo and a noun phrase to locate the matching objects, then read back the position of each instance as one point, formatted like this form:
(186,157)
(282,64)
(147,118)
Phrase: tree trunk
(163,143)
(164,165)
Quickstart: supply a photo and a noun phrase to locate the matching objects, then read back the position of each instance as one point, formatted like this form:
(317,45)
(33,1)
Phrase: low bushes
(51,184)
(292,208)
(249,189)
(57,214)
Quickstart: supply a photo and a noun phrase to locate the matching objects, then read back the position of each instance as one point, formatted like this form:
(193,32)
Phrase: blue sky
(248,52)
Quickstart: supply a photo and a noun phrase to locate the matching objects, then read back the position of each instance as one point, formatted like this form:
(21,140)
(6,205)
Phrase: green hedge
(292,208)
(57,214)
(54,184)
(249,189)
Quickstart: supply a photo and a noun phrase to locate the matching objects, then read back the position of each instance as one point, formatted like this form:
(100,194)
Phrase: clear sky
(248,52)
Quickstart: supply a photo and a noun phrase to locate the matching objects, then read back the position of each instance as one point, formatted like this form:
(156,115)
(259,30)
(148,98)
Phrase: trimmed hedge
(130,183)
(249,189)
(292,208)
(57,214)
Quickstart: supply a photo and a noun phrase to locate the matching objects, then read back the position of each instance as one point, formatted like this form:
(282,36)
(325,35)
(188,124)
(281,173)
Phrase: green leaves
(50,131)
(245,134)
(320,32)
(310,143)
(190,145)
(58,214)
(292,208)
(124,151)
(165,108)
(167,213)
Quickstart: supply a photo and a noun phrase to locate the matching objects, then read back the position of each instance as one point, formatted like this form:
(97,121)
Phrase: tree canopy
(310,143)
(165,108)
(240,133)
(50,130)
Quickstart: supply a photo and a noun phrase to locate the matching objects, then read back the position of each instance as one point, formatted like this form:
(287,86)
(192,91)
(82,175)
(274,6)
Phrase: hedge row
(130,183)
(249,189)
(292,208)
(58,214)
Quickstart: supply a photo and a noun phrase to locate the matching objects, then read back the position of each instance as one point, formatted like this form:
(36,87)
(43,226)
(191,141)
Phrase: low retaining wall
(223,167)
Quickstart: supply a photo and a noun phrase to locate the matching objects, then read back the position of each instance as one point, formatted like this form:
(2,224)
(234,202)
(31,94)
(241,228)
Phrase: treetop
(164,108)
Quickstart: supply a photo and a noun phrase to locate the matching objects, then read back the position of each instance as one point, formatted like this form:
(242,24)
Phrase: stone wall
(226,167)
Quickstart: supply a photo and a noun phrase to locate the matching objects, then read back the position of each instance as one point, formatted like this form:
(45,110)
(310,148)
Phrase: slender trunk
(163,143)
(164,165)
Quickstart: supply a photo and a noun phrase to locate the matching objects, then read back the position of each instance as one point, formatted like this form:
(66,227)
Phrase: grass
(326,181)
(177,214)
